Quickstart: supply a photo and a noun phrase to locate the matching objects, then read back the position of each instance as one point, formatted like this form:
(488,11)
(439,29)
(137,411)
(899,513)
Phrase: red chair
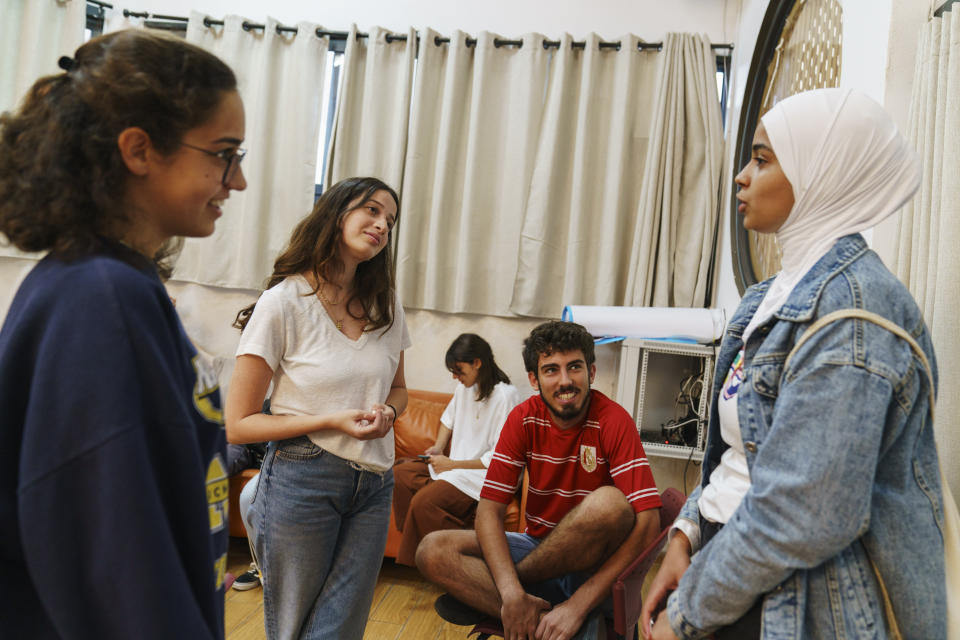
(627,589)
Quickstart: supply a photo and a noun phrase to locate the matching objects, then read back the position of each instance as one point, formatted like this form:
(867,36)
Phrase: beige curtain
(521,195)
(373,108)
(921,244)
(474,124)
(280,78)
(33,36)
(582,207)
(673,243)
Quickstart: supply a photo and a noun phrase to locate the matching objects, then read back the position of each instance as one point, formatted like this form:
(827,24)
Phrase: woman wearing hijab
(820,483)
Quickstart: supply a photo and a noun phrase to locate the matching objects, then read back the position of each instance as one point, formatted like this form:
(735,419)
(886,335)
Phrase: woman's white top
(730,481)
(319,370)
(476,428)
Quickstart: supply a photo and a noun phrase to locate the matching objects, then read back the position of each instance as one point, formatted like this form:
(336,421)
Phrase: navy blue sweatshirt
(113,485)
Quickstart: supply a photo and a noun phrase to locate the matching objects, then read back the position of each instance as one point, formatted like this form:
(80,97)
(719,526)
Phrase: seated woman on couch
(440,492)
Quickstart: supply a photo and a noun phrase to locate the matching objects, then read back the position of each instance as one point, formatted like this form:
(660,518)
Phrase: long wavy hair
(468,347)
(62,179)
(314,247)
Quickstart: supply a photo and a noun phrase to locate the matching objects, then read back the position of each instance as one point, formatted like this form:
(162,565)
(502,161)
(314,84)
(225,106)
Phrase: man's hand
(441,463)
(675,563)
(433,450)
(520,614)
(560,623)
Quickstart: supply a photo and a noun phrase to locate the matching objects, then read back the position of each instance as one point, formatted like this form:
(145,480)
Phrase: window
(331,85)
(94,20)
(723,85)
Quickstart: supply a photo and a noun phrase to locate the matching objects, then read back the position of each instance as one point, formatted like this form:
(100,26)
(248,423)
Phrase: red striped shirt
(567,465)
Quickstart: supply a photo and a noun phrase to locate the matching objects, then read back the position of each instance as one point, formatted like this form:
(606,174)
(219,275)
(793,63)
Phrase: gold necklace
(338,323)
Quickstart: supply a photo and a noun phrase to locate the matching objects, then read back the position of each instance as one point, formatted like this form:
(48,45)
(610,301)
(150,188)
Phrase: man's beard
(570,411)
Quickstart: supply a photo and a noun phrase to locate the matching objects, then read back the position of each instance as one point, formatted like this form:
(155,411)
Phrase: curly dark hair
(468,347)
(314,248)
(62,178)
(556,336)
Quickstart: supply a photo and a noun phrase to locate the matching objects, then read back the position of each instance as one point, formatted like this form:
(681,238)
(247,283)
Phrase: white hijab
(849,168)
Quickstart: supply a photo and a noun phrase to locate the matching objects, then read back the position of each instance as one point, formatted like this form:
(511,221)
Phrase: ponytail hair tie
(66,63)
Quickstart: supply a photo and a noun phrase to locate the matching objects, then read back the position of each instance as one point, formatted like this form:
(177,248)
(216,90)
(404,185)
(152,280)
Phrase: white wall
(749,18)
(880,39)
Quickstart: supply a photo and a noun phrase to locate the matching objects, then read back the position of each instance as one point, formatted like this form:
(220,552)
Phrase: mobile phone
(423,457)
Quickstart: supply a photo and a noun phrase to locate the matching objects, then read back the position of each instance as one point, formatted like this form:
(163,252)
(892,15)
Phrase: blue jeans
(321,527)
(246,499)
(243,503)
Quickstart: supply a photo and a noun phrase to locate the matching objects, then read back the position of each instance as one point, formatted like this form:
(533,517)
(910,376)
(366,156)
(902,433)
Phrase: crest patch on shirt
(588,458)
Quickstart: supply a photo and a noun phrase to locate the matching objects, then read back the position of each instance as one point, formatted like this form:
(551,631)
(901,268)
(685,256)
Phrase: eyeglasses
(233,158)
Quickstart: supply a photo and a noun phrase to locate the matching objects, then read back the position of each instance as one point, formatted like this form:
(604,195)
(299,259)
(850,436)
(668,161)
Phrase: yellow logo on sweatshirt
(204,391)
(220,571)
(218,493)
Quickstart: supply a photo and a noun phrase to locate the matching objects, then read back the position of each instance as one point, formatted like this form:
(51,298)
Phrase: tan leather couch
(415,430)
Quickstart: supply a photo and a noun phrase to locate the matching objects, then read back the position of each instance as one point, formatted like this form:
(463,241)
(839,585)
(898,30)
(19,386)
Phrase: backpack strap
(897,330)
(877,319)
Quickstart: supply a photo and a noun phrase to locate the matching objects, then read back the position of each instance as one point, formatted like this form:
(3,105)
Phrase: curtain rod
(172,23)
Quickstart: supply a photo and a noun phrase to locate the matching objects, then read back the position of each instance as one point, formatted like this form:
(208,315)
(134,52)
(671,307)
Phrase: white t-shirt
(476,428)
(730,481)
(319,370)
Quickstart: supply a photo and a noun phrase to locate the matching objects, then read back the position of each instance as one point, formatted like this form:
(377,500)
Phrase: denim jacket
(843,469)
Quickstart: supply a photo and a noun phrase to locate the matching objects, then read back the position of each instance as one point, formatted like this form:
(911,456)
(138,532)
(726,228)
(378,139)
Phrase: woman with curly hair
(112,426)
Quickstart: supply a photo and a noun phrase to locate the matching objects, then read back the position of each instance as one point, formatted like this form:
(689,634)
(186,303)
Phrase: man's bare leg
(583,539)
(453,560)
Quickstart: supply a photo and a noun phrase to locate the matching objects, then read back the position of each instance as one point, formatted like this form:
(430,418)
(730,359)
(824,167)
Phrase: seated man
(592,505)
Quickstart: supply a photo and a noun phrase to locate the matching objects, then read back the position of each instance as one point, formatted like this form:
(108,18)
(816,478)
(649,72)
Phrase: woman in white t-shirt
(439,491)
(329,333)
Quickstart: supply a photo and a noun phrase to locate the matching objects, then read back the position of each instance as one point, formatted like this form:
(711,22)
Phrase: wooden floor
(402,605)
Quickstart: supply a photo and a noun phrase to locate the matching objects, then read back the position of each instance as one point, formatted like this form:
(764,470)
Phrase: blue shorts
(554,590)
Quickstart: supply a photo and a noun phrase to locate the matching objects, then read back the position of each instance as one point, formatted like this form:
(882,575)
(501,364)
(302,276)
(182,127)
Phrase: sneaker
(248,580)
(454,611)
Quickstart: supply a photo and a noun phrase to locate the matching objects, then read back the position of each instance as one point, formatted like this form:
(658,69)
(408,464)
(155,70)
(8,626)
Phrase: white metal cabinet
(666,388)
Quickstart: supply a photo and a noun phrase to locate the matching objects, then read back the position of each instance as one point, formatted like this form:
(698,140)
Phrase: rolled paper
(704,326)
